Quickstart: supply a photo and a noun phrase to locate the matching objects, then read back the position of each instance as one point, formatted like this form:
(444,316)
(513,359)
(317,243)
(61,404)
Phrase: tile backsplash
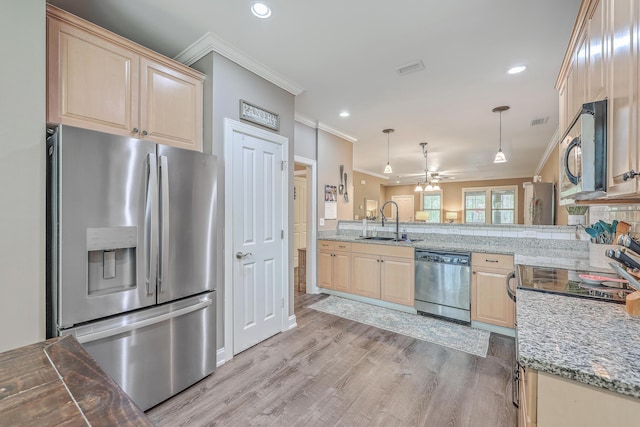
(626,213)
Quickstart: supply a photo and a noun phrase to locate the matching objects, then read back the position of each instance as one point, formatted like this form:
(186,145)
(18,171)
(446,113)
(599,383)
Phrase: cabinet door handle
(145,133)
(135,130)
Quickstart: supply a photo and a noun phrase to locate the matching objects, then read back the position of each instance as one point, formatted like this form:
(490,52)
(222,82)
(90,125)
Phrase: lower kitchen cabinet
(527,398)
(383,272)
(365,270)
(489,300)
(548,400)
(334,265)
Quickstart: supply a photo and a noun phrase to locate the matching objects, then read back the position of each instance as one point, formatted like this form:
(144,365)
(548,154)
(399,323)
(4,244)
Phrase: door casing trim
(231,126)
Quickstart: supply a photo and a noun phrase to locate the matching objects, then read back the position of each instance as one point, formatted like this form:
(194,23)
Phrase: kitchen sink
(376,238)
(388,239)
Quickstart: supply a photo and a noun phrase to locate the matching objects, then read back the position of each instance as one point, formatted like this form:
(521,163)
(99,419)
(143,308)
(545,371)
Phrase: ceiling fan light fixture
(500,157)
(436,187)
(418,188)
(260,10)
(387,169)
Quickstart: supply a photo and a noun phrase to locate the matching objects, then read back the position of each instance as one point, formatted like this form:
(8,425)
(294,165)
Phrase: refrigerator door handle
(151,224)
(164,222)
(94,336)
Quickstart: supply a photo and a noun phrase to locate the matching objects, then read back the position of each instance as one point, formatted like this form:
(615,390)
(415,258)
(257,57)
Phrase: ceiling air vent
(538,122)
(411,67)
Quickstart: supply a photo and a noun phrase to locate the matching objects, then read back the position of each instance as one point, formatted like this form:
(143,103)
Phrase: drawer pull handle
(491,260)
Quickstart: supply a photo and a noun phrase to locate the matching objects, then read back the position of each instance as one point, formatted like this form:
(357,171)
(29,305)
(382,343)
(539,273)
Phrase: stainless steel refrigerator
(539,203)
(131,258)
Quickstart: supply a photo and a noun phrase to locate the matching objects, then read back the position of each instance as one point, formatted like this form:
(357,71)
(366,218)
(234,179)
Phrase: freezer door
(187,251)
(157,352)
(103,190)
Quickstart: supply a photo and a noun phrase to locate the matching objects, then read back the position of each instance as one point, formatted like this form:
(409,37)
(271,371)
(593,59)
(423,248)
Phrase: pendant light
(418,188)
(500,157)
(387,169)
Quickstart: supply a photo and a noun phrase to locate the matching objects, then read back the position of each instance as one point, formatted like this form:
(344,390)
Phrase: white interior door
(405,208)
(299,216)
(257,200)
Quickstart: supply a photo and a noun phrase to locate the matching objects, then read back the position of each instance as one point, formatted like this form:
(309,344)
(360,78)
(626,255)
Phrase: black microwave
(583,154)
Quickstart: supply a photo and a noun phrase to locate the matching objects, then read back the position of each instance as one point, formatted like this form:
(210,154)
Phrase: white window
(431,207)
(490,205)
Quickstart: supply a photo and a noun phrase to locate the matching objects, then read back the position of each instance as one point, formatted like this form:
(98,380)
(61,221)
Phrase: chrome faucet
(397,217)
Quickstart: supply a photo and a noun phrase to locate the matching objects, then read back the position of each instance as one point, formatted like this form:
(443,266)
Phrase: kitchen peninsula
(571,351)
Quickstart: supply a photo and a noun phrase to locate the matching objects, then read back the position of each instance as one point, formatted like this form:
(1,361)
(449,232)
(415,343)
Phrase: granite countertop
(56,382)
(593,342)
(524,255)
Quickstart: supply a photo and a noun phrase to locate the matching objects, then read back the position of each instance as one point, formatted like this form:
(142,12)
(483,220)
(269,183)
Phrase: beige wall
(452,194)
(22,173)
(334,151)
(370,190)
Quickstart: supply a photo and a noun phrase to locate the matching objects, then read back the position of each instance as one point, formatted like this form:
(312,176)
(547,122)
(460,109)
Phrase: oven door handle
(515,386)
(511,293)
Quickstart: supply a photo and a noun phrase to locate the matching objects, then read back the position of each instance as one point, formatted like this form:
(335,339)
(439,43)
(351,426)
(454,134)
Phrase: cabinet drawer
(492,260)
(383,250)
(333,245)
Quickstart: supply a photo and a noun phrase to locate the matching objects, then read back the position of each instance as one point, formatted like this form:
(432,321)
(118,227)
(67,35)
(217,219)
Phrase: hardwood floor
(332,371)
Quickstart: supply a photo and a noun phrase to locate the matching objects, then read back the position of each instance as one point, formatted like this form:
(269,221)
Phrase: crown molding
(306,121)
(335,132)
(377,175)
(319,125)
(212,43)
(551,145)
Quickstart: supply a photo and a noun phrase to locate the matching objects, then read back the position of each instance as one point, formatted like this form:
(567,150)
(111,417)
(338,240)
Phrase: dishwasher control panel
(457,258)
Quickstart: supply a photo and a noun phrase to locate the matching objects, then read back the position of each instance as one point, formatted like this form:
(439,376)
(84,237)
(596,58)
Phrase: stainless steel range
(581,284)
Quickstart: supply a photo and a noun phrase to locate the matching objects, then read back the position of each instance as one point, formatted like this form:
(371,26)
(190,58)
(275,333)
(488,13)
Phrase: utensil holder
(597,258)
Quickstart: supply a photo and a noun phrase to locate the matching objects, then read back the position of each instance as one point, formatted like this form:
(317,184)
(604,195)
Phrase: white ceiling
(343,54)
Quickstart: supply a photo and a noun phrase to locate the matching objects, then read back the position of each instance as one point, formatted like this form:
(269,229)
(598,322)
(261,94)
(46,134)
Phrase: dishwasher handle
(512,294)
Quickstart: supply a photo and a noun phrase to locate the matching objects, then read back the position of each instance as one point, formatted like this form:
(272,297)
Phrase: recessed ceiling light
(260,10)
(517,69)
(345,114)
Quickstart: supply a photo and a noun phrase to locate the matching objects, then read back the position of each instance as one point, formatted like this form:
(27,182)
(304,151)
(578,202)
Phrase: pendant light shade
(387,169)
(500,157)
(418,188)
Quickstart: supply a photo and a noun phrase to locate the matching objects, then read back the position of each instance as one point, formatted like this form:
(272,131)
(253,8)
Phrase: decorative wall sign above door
(259,116)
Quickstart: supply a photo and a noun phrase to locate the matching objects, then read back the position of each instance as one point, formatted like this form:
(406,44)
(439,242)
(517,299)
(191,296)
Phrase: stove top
(581,284)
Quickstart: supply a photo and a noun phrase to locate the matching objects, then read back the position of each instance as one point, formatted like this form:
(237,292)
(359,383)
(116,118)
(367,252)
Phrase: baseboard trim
(220,357)
(292,322)
(493,328)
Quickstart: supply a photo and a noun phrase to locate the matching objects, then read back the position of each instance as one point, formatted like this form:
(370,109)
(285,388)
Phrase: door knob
(240,255)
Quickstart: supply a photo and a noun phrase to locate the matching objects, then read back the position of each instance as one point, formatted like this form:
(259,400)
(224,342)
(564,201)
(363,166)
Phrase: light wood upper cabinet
(101,81)
(166,94)
(622,149)
(489,300)
(92,82)
(596,42)
(602,62)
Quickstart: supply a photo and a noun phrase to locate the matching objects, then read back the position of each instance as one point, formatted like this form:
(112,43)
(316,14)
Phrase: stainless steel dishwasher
(443,284)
